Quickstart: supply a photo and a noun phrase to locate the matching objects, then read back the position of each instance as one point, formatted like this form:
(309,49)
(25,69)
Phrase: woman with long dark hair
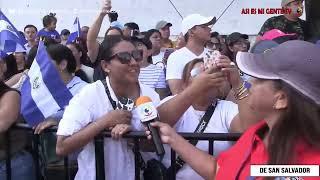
(285,92)
(154,36)
(97,104)
(82,71)
(21,161)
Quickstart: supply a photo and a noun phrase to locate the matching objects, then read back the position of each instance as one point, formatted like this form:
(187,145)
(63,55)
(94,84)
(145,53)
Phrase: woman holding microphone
(285,92)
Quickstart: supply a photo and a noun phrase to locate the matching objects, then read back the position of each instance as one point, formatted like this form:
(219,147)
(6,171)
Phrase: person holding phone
(226,116)
(285,92)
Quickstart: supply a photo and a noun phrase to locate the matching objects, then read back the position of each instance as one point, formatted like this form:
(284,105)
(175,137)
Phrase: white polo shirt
(177,61)
(91,103)
(220,122)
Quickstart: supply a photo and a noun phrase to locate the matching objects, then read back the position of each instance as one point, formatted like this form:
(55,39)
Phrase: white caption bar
(284,170)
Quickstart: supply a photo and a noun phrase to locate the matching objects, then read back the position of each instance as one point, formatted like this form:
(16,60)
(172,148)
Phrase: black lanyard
(200,129)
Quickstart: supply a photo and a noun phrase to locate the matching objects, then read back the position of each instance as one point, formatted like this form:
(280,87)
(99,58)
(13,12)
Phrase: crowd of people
(268,90)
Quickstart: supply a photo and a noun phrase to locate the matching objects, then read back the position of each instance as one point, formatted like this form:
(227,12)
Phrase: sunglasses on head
(125,57)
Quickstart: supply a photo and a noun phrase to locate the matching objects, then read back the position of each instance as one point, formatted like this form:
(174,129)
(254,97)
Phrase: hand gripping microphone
(148,114)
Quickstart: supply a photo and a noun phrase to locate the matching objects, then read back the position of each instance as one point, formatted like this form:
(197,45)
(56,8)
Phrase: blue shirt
(51,34)
(74,86)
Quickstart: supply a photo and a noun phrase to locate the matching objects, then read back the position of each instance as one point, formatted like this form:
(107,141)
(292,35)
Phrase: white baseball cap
(195,20)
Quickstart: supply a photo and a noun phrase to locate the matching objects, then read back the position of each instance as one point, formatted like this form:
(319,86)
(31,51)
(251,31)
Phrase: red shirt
(250,149)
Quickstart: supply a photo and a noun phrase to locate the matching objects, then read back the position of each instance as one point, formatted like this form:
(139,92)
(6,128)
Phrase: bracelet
(241,92)
(241,86)
(240,98)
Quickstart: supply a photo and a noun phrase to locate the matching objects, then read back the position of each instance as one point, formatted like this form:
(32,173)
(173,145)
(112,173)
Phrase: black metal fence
(136,136)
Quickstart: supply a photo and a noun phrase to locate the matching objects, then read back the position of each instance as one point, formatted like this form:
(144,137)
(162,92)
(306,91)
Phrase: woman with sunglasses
(214,43)
(120,62)
(285,92)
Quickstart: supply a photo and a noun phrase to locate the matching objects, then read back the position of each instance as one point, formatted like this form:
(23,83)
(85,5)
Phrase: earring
(274,106)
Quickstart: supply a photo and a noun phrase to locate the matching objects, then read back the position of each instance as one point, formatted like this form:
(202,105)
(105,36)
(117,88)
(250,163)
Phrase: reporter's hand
(106,7)
(167,134)
(44,125)
(230,70)
(119,130)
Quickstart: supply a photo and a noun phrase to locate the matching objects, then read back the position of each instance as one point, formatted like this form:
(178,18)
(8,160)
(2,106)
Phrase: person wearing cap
(214,43)
(237,42)
(117,24)
(287,23)
(285,91)
(65,33)
(196,30)
(131,29)
(263,46)
(164,28)
(278,36)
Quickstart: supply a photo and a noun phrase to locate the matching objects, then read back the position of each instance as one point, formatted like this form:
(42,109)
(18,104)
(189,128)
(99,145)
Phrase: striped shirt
(152,76)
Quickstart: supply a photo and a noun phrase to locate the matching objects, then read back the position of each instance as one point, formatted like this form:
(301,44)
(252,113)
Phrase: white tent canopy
(144,12)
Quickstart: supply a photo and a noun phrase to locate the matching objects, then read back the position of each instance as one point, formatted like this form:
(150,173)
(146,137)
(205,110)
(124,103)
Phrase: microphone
(148,114)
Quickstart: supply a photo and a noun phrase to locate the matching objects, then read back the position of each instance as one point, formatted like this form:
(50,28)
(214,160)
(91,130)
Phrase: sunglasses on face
(211,44)
(125,57)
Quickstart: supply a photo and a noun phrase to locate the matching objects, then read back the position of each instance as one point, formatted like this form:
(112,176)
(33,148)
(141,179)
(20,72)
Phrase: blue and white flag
(10,39)
(43,93)
(75,32)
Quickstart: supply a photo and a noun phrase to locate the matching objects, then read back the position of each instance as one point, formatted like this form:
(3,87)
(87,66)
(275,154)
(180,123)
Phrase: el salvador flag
(43,93)
(10,38)
(76,31)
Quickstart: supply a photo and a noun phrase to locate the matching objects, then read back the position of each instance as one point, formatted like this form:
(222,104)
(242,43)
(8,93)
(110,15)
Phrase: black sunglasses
(125,57)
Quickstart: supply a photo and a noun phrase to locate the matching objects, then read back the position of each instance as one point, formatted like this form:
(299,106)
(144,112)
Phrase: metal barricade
(99,150)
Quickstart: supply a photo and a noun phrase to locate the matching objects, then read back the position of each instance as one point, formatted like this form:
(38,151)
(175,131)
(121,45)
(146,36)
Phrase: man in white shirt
(196,30)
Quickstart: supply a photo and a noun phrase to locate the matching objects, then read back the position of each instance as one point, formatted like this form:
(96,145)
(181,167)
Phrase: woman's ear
(105,66)
(231,48)
(80,54)
(282,101)
(63,65)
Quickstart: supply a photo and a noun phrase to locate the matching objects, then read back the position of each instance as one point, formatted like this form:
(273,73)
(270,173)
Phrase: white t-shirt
(219,123)
(91,103)
(152,76)
(178,59)
(158,58)
(89,71)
